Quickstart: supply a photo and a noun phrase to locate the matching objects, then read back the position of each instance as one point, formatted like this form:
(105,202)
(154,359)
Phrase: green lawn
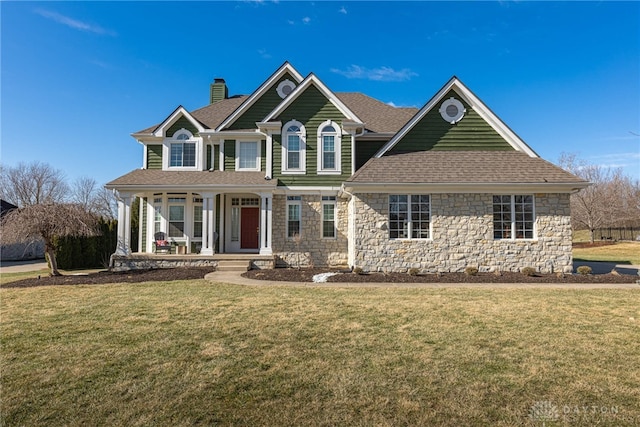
(196,353)
(620,252)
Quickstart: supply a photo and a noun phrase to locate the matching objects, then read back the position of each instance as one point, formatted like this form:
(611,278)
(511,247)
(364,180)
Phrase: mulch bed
(103,277)
(306,275)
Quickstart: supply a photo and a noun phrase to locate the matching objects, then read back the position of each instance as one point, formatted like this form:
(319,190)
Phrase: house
(19,251)
(302,174)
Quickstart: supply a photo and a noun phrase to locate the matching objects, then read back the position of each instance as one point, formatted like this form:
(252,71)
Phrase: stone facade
(145,262)
(462,236)
(311,249)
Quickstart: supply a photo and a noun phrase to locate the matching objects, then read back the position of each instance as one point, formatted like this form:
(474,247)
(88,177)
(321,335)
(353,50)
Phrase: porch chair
(161,243)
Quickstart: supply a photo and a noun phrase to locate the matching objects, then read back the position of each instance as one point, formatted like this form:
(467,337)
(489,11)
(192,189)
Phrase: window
(293,216)
(183,153)
(248,156)
(176,217)
(409,216)
(293,147)
(328,217)
(197,217)
(157,216)
(513,217)
(329,139)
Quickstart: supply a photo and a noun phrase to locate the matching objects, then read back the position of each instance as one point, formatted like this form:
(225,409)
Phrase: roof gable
(253,101)
(309,81)
(178,113)
(479,129)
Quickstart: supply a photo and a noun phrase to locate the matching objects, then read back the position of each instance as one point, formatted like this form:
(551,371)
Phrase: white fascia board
(476,188)
(180,111)
(193,188)
(478,106)
(286,67)
(240,135)
(312,79)
(274,127)
(146,138)
(302,190)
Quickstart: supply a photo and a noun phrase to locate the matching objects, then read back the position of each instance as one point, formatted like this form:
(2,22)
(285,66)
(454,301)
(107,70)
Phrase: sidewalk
(23,266)
(234,277)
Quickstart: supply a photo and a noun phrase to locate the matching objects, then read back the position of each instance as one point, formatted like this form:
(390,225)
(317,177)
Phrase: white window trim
(513,237)
(285,152)
(166,151)
(258,156)
(409,223)
(335,218)
(286,225)
(338,145)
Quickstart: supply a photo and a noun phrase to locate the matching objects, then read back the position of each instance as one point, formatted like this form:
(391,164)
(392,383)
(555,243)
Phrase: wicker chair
(161,243)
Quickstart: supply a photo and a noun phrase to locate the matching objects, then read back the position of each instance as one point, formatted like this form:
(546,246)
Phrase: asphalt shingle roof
(160,178)
(440,167)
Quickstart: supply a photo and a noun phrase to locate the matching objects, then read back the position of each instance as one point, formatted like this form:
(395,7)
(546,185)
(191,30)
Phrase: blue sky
(79,77)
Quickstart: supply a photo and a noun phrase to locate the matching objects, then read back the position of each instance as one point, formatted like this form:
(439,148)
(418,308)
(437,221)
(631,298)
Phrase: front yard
(193,352)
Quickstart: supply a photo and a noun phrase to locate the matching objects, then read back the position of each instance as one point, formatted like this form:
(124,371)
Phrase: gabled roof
(478,106)
(311,79)
(377,116)
(173,117)
(248,102)
(468,169)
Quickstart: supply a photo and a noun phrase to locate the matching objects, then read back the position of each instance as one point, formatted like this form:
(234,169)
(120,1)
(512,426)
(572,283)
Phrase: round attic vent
(452,110)
(285,88)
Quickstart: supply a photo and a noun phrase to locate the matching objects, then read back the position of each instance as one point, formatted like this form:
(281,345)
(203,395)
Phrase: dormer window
(329,143)
(293,147)
(183,150)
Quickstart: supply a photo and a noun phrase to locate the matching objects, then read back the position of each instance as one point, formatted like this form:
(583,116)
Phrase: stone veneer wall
(142,262)
(462,226)
(312,250)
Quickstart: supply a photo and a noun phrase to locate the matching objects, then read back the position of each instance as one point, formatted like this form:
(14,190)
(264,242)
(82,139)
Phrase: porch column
(124,224)
(208,223)
(265,223)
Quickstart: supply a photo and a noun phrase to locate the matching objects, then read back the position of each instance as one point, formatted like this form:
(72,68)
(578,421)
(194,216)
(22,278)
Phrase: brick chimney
(218,90)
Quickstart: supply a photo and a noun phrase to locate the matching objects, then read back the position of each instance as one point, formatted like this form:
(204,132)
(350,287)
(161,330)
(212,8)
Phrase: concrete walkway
(23,266)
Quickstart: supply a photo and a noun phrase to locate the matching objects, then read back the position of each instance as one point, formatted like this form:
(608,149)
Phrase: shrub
(584,270)
(357,270)
(471,271)
(413,272)
(528,271)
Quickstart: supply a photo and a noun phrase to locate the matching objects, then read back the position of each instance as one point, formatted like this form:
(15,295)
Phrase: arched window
(329,142)
(183,149)
(293,147)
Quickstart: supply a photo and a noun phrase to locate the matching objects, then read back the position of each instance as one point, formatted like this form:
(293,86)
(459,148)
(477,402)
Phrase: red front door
(249,225)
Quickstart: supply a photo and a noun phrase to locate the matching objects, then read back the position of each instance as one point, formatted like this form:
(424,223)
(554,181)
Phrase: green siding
(143,226)
(433,133)
(366,150)
(261,108)
(229,154)
(311,109)
(182,122)
(208,165)
(216,157)
(154,156)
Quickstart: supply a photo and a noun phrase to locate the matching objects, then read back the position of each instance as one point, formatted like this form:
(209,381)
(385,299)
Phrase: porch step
(233,265)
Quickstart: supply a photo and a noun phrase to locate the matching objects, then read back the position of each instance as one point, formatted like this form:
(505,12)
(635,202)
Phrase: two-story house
(306,175)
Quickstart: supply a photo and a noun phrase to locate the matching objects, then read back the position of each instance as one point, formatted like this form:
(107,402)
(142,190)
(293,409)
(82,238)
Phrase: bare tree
(32,183)
(99,201)
(610,200)
(47,222)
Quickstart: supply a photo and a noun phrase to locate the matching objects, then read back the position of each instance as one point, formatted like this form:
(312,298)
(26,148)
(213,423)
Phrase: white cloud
(264,54)
(343,10)
(385,74)
(306,20)
(73,23)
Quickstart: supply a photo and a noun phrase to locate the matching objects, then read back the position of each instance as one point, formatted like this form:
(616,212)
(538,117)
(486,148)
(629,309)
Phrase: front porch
(144,261)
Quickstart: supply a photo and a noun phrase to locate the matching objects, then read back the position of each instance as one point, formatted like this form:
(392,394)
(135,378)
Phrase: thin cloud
(73,23)
(306,20)
(343,10)
(381,74)
(264,54)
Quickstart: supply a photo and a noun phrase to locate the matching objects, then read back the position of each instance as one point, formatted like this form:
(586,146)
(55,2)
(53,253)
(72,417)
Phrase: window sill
(294,172)
(323,172)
